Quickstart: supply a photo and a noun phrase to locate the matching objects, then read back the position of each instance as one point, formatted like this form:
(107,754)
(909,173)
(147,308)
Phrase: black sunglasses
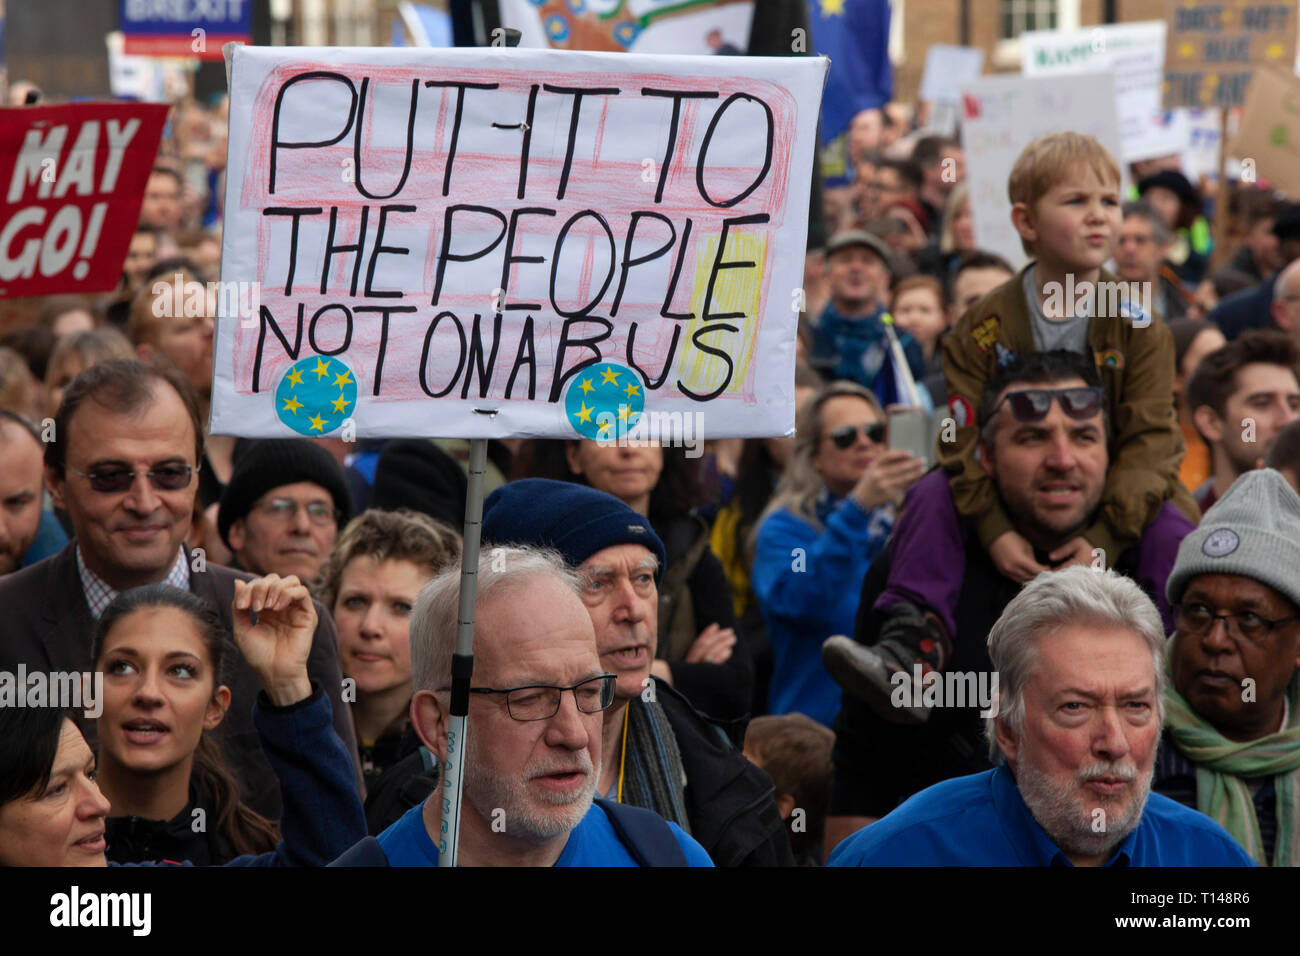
(1033,404)
(117,480)
(846,435)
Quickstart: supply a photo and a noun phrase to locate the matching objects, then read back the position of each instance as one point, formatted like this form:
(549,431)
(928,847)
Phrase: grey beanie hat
(1253,531)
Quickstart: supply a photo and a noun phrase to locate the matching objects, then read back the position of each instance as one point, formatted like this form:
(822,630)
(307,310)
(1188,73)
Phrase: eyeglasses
(286,509)
(116,480)
(540,701)
(846,435)
(1033,404)
(1196,620)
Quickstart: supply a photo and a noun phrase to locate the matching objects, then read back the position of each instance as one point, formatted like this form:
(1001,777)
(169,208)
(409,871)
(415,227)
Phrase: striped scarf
(653,776)
(1224,766)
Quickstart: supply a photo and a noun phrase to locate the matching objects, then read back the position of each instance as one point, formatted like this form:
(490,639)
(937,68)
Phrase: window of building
(1017,16)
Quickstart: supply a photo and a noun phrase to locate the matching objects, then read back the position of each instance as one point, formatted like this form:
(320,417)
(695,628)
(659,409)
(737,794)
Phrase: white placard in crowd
(496,243)
(1135,54)
(1002,114)
(947,68)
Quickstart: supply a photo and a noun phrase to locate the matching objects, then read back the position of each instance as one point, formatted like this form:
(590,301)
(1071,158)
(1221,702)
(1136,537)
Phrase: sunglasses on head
(1033,404)
(846,435)
(115,480)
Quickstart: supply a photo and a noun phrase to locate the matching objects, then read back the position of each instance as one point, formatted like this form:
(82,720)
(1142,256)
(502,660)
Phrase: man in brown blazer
(123,465)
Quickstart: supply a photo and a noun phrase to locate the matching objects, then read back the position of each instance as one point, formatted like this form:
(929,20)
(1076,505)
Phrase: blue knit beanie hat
(575,520)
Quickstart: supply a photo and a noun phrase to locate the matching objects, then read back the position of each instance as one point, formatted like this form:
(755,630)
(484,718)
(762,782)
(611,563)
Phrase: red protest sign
(72,179)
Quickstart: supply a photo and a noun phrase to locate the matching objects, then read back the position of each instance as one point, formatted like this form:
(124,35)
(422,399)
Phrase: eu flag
(855,35)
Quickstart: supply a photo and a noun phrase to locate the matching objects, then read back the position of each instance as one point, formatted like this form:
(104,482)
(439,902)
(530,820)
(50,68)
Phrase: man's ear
(1008,742)
(1207,423)
(54,485)
(1023,219)
(236,535)
(785,803)
(985,457)
(1277,308)
(429,718)
(144,351)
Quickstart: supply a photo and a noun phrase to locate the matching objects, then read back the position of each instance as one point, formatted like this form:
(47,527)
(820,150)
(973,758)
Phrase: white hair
(501,571)
(1051,602)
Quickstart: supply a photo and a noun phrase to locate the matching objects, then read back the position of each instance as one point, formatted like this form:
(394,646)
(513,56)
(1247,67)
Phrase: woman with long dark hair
(52,811)
(161,650)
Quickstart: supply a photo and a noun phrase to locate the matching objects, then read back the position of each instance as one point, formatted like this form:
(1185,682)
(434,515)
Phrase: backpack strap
(366,852)
(645,834)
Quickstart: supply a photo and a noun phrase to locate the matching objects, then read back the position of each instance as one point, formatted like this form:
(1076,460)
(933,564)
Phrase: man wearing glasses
(1231,746)
(123,467)
(660,753)
(537,704)
(283,507)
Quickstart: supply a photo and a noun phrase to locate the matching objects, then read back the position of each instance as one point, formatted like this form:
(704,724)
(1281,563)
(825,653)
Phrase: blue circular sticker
(604,401)
(316,395)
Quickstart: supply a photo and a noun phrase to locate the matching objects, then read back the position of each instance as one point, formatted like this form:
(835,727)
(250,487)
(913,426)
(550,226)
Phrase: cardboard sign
(1269,135)
(1135,54)
(1002,114)
(73,179)
(497,243)
(1215,46)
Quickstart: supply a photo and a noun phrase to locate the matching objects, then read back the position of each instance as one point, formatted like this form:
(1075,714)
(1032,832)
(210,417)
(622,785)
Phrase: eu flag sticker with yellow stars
(316,395)
(604,401)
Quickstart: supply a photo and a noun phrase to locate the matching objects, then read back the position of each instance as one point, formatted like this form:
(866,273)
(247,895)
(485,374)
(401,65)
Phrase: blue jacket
(807,583)
(1246,310)
(982,820)
(322,813)
(857,349)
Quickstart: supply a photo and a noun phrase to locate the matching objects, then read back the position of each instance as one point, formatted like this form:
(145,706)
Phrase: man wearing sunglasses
(537,702)
(1231,746)
(124,468)
(1043,444)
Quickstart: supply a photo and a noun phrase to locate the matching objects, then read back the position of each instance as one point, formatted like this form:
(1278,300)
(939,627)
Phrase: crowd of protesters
(740,659)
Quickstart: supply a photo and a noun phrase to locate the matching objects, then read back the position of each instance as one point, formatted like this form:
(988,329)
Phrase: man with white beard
(1079,658)
(534,731)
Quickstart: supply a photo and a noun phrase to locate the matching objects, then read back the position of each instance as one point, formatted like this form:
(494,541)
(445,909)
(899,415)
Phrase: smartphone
(909,429)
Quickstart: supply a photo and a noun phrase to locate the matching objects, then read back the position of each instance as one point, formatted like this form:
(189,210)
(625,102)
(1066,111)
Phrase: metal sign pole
(462,661)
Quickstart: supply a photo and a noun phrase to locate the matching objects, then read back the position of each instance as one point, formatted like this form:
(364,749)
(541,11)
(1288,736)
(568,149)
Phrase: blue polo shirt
(593,842)
(981,820)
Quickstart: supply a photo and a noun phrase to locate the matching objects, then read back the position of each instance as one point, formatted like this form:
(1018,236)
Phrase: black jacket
(730,803)
(185,836)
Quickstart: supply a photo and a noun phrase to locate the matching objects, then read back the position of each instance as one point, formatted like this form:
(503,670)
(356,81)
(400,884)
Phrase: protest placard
(635,26)
(1134,53)
(184,28)
(1214,46)
(1269,135)
(946,69)
(1002,114)
(495,243)
(73,179)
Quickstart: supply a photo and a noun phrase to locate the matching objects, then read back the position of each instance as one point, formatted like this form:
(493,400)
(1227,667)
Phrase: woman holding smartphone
(829,518)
